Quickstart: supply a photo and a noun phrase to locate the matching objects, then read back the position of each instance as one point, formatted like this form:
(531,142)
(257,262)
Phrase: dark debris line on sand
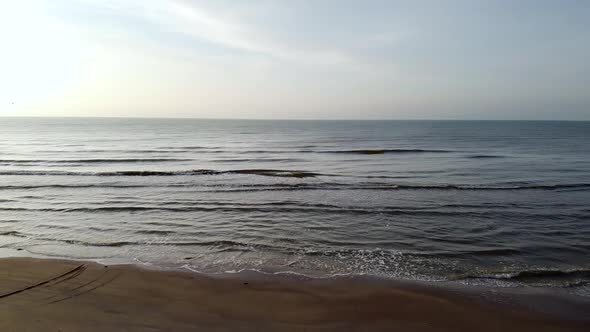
(60,278)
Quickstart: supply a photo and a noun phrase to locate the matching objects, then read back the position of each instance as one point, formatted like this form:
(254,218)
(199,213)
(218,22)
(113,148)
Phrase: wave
(219,245)
(218,150)
(98,244)
(74,186)
(395,187)
(304,150)
(156,150)
(154,232)
(483,252)
(12,233)
(192,147)
(263,172)
(382,151)
(50,226)
(240,160)
(89,161)
(271,172)
(480,187)
(313,211)
(484,156)
(531,275)
(238,209)
(254,208)
(229,187)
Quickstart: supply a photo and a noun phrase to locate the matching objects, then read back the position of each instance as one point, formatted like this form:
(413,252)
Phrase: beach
(68,295)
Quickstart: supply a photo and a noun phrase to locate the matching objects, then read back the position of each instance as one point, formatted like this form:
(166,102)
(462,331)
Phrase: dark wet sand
(53,295)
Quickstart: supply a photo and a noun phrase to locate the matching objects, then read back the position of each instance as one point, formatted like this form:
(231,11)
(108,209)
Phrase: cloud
(236,35)
(198,23)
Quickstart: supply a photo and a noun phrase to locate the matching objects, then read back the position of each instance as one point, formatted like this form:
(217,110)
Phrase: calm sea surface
(503,203)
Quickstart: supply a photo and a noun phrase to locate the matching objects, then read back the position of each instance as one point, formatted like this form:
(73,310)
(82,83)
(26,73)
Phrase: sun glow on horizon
(41,59)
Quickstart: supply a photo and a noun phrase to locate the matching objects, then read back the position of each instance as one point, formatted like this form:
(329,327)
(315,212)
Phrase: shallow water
(501,203)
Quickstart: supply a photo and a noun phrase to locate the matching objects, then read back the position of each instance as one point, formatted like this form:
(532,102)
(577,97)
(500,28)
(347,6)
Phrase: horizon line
(275,119)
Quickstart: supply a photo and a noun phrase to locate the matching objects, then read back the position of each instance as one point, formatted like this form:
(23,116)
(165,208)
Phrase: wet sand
(55,295)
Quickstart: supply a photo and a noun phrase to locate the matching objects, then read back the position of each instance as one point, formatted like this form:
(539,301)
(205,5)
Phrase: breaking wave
(561,278)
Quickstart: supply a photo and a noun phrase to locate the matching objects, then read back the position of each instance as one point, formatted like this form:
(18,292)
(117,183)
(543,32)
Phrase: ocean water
(500,203)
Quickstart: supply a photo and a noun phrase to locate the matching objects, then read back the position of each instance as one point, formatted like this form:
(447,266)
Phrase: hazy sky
(502,59)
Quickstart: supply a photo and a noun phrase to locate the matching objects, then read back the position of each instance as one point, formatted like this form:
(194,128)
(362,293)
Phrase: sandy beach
(55,295)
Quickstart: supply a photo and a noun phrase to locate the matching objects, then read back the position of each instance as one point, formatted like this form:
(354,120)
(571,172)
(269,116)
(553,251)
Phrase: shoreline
(71,295)
(452,283)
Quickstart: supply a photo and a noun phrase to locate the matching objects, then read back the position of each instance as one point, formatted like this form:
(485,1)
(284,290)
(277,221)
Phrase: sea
(497,203)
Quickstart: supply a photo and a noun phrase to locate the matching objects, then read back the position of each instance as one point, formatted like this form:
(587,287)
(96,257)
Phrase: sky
(296,59)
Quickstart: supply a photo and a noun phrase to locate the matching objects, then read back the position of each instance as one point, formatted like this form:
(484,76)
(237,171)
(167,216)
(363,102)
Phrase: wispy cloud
(206,25)
(188,19)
